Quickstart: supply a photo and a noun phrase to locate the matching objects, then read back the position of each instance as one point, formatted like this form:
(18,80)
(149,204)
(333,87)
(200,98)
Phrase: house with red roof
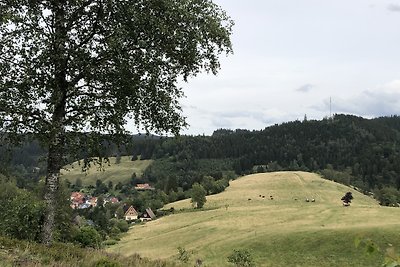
(142,187)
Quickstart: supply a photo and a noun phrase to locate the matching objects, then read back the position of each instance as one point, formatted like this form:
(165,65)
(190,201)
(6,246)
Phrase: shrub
(105,262)
(183,255)
(110,242)
(241,258)
(88,237)
(20,213)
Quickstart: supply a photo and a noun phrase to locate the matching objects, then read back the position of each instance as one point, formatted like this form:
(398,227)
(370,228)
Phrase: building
(131,214)
(148,215)
(143,187)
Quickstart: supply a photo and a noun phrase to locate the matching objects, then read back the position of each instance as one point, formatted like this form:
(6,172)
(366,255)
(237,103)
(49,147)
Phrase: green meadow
(121,172)
(283,231)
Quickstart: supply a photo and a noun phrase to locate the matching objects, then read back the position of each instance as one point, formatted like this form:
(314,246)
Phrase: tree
(88,237)
(347,198)
(89,66)
(198,195)
(20,211)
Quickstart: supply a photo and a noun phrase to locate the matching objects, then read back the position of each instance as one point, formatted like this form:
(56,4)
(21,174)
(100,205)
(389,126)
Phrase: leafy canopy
(98,63)
(198,195)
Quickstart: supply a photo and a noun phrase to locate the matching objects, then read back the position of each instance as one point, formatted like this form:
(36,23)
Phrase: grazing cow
(295,198)
(307,200)
(313,200)
(263,196)
(345,204)
(249,199)
(259,195)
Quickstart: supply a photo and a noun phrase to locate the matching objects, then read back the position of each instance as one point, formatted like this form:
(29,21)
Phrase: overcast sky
(291,56)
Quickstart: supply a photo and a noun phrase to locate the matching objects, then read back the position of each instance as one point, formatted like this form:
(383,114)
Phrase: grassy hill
(279,232)
(113,172)
(29,254)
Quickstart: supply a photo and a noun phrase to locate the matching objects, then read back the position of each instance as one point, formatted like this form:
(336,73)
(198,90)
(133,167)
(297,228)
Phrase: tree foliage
(21,212)
(347,198)
(89,66)
(88,237)
(198,194)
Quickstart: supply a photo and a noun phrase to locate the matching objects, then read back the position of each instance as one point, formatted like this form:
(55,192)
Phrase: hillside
(365,151)
(120,172)
(354,150)
(279,232)
(23,253)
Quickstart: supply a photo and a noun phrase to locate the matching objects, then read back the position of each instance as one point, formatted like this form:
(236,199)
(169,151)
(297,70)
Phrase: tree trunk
(57,131)
(55,161)
(52,182)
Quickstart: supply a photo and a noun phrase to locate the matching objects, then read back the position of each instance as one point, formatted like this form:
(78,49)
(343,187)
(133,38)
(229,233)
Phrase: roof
(77,195)
(150,213)
(114,200)
(144,187)
(131,211)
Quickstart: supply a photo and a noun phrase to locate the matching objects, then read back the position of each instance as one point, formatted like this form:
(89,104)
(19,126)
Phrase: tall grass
(23,253)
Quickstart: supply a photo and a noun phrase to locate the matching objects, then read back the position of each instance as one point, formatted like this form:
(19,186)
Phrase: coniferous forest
(364,153)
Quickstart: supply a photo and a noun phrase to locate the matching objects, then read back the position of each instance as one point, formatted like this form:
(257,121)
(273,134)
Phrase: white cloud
(383,100)
(394,7)
(305,88)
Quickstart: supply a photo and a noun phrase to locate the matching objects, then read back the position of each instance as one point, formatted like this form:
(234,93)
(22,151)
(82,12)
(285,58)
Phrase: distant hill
(367,150)
(349,149)
(283,231)
(113,171)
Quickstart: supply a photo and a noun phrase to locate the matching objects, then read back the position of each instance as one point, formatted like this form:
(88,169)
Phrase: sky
(292,56)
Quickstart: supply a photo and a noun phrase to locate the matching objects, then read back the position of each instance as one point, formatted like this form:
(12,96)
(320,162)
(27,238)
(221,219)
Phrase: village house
(142,187)
(82,201)
(112,200)
(77,199)
(93,201)
(148,215)
(131,214)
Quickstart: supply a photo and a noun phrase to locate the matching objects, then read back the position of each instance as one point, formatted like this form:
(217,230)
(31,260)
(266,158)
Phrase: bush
(110,242)
(122,225)
(20,213)
(183,255)
(106,263)
(241,258)
(387,196)
(88,237)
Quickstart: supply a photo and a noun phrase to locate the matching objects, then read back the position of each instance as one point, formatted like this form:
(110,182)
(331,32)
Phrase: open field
(113,172)
(279,232)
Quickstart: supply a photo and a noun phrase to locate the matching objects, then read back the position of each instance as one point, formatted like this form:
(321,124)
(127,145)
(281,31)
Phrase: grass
(121,172)
(22,253)
(278,232)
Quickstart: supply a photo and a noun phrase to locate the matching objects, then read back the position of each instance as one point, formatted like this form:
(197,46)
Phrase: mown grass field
(278,232)
(121,172)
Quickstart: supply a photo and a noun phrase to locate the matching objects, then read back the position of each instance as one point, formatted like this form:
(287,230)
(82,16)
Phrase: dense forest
(351,150)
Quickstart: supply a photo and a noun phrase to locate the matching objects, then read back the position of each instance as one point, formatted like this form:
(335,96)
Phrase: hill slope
(279,232)
(121,172)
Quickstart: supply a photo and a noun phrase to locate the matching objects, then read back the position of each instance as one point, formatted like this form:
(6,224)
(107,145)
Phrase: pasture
(283,231)
(121,172)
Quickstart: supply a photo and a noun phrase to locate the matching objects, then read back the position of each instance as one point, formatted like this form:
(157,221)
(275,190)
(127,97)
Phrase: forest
(351,150)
